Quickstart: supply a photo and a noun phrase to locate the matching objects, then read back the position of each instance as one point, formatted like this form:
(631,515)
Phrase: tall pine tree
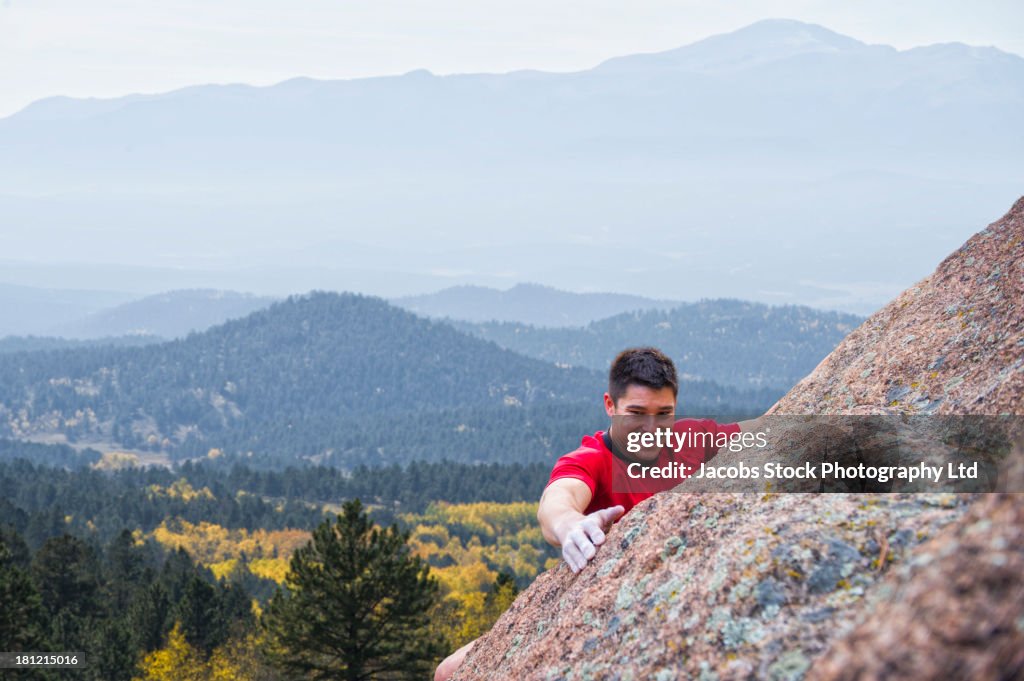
(354,605)
(22,618)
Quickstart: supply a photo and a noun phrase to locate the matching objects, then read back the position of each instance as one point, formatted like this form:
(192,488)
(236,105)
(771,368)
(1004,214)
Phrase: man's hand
(563,524)
(581,538)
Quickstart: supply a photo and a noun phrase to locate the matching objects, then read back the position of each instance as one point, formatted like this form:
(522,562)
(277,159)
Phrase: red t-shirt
(605,473)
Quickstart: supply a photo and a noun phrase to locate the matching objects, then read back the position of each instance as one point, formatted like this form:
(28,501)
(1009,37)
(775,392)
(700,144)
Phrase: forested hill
(732,342)
(295,366)
(340,378)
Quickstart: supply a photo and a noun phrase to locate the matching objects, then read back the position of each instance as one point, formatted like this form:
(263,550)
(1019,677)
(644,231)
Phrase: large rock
(831,586)
(955,611)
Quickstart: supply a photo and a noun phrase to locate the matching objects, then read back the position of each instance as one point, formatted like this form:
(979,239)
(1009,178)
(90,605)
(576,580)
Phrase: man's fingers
(577,544)
(581,542)
(573,552)
(572,556)
(610,515)
(586,546)
(594,532)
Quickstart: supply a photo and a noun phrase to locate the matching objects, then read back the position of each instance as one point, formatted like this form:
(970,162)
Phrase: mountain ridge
(733,342)
(520,303)
(788,37)
(337,378)
(167,315)
(589,180)
(771,31)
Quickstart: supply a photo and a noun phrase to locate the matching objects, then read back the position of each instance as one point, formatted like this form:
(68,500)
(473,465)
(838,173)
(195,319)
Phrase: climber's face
(640,409)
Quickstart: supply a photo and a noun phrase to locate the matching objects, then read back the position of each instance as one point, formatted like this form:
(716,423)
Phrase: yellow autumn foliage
(467,545)
(210,543)
(464,579)
(180,489)
(467,616)
(236,660)
(176,661)
(270,568)
(486,519)
(473,617)
(504,537)
(112,461)
(223,568)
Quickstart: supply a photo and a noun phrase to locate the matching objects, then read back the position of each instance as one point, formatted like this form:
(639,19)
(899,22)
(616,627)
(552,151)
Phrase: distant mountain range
(731,342)
(781,163)
(337,378)
(167,315)
(42,318)
(26,310)
(526,303)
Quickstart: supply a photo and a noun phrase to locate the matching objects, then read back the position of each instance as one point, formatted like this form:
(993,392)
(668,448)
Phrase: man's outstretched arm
(751,425)
(563,523)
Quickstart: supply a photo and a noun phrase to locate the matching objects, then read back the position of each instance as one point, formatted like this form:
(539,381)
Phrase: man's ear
(609,404)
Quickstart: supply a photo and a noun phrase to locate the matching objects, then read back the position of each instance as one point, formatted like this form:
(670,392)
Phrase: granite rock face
(955,611)
(782,586)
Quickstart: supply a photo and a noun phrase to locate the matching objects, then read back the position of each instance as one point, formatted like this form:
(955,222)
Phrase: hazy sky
(112,47)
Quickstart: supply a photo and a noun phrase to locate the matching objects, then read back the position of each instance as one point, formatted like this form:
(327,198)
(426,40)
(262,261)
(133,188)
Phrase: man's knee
(445,670)
(448,666)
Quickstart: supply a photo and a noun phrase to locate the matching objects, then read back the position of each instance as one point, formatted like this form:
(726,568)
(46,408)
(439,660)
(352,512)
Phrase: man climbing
(590,488)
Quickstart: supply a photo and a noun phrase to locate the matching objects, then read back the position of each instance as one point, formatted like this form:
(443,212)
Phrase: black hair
(642,366)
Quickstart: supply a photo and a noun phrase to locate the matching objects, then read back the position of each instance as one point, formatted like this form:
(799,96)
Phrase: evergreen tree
(201,617)
(176,572)
(126,567)
(355,605)
(19,555)
(112,652)
(67,572)
(21,616)
(149,615)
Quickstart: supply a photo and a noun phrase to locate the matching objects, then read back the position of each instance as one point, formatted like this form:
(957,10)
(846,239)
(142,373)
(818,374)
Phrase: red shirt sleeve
(583,464)
(704,449)
(717,429)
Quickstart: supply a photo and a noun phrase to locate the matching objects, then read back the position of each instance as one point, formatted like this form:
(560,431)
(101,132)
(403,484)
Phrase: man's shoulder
(591,446)
(591,455)
(588,463)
